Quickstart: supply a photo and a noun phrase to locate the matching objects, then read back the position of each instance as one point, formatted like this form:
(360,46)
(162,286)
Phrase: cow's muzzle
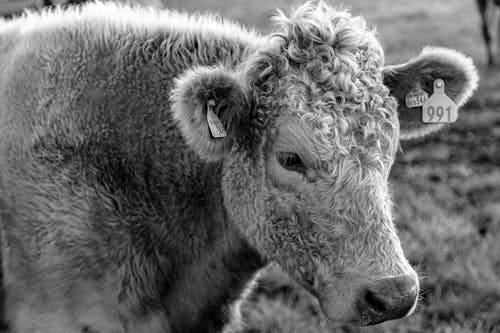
(387,299)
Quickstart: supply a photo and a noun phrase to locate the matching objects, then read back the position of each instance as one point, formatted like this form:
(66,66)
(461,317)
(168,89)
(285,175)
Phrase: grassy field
(447,186)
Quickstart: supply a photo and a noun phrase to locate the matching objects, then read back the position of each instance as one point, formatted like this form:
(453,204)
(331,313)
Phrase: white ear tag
(439,108)
(416,98)
(214,123)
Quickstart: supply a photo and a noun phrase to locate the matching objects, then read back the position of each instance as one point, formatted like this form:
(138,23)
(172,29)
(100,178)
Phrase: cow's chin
(331,306)
(338,303)
(342,313)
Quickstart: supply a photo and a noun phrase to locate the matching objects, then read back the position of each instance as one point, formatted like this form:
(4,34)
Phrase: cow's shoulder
(103,20)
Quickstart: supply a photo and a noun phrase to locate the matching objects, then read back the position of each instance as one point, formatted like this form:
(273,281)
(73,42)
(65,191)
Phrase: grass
(447,185)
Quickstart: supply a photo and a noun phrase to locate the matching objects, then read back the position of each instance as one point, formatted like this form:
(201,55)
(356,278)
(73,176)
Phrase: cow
(166,172)
(489,12)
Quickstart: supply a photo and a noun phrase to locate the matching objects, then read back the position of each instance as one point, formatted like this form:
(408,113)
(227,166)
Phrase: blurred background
(446,186)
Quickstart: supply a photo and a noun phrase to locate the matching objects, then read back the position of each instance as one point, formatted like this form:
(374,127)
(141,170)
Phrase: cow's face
(314,124)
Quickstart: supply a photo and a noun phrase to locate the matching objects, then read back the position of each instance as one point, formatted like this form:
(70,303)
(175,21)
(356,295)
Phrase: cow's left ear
(457,71)
(215,94)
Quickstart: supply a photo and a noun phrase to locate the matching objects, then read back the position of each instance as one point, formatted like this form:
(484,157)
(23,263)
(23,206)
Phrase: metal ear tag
(216,128)
(439,108)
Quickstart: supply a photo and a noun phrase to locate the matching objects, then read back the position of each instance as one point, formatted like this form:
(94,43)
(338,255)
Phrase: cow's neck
(213,261)
(201,300)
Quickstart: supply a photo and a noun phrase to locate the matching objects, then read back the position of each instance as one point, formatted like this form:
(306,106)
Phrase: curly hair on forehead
(337,50)
(316,34)
(327,67)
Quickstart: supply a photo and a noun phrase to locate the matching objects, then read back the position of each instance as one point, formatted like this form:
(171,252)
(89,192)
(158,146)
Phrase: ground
(446,186)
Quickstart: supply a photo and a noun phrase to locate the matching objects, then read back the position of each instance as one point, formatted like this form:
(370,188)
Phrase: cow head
(313,125)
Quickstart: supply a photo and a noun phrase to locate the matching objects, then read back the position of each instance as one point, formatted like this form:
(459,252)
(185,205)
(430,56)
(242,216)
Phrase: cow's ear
(457,71)
(218,93)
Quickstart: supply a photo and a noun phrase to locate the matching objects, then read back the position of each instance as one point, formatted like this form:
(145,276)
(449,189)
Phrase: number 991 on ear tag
(439,108)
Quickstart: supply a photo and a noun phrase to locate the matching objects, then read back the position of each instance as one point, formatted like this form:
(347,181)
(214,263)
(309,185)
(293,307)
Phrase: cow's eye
(290,161)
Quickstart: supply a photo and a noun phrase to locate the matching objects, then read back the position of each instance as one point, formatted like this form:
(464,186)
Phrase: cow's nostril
(374,302)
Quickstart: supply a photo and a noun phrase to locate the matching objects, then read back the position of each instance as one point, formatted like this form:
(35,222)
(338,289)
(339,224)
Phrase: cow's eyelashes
(290,161)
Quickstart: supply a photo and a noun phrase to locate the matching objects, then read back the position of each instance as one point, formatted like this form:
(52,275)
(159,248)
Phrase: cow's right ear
(216,92)
(455,69)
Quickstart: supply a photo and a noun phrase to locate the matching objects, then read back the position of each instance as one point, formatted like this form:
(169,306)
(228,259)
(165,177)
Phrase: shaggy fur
(120,213)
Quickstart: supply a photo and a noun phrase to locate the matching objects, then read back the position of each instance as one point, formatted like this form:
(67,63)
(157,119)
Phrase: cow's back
(101,201)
